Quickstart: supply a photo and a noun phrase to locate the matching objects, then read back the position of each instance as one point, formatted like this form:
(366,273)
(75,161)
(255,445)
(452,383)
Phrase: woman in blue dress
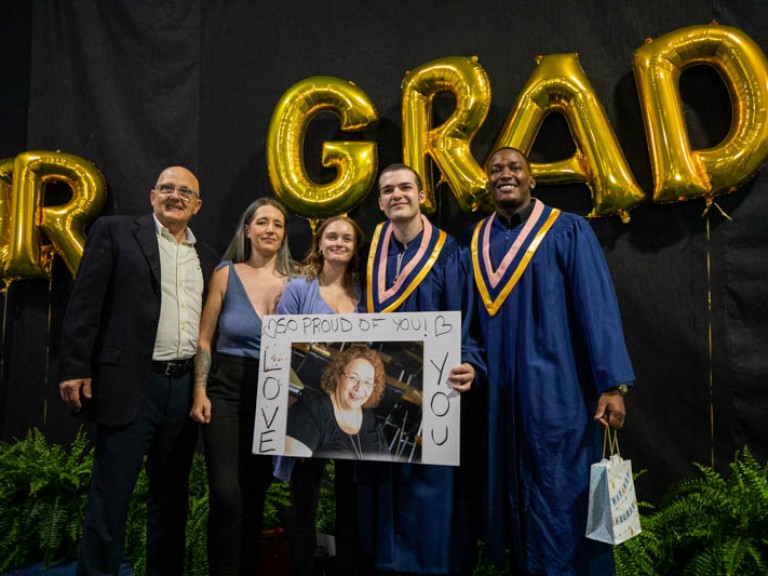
(330,284)
(245,286)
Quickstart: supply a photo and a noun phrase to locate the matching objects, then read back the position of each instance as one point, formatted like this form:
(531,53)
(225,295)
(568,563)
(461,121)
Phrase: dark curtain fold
(119,84)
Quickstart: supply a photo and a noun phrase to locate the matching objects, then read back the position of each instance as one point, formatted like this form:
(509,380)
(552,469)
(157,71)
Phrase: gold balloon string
(707,213)
(47,349)
(709,345)
(6,289)
(723,213)
(439,200)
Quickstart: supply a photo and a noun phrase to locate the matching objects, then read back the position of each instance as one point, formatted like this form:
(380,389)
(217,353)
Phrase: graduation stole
(378,297)
(495,285)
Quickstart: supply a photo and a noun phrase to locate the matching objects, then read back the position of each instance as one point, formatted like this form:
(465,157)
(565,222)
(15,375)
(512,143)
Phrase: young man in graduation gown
(557,372)
(414,518)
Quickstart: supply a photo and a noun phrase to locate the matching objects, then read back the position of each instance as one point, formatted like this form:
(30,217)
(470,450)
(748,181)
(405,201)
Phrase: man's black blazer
(109,329)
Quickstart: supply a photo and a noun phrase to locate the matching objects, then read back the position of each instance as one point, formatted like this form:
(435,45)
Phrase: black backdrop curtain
(137,85)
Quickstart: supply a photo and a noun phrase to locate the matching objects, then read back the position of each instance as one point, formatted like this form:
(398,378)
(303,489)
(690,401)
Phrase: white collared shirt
(181,279)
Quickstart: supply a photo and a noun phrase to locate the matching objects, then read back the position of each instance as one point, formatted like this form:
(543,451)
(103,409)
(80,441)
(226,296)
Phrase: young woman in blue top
(330,273)
(245,286)
(330,284)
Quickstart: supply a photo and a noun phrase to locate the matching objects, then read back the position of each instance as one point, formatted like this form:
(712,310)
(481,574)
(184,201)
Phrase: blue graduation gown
(554,345)
(413,517)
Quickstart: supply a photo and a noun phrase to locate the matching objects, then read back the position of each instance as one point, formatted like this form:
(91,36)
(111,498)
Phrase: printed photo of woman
(339,421)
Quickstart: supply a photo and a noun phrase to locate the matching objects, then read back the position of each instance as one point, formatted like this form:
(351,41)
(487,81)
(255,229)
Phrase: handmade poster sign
(359,386)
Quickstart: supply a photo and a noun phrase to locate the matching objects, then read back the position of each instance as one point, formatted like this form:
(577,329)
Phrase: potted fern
(43,490)
(708,525)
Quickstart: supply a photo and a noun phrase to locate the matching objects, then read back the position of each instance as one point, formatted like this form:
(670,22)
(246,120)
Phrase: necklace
(349,426)
(357,446)
(346,427)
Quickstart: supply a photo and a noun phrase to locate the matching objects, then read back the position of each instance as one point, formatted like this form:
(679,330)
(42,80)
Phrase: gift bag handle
(610,441)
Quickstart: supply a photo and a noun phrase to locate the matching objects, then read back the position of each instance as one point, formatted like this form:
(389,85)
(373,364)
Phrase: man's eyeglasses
(355,379)
(185,193)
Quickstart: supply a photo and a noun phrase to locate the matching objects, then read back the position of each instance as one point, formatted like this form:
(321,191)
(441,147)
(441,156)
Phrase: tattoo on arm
(202,367)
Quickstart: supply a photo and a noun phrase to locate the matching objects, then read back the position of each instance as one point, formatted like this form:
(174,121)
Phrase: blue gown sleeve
(459,296)
(597,309)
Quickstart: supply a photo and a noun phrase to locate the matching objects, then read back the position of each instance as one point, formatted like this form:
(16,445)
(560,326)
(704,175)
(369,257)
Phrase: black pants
(305,493)
(163,431)
(238,480)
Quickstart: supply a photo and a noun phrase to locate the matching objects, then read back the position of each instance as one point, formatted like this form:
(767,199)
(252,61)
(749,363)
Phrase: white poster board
(418,411)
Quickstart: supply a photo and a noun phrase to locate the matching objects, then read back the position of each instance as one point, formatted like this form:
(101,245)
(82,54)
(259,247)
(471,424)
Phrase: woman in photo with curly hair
(339,422)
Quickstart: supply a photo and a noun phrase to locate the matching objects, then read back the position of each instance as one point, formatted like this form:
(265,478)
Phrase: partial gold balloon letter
(559,84)
(679,172)
(355,162)
(448,145)
(6,181)
(64,225)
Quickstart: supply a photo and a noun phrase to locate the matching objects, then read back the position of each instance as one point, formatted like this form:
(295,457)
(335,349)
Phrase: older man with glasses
(128,339)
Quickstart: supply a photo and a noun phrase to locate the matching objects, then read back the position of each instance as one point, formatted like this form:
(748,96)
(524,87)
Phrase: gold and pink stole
(379,298)
(495,285)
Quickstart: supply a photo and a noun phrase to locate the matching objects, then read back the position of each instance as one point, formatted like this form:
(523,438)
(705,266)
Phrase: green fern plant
(136,525)
(196,555)
(485,568)
(277,503)
(708,525)
(325,521)
(43,491)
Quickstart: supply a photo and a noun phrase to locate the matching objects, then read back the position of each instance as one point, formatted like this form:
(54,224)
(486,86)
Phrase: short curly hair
(336,367)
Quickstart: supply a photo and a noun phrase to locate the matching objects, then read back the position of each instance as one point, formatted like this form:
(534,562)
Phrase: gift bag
(613,515)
